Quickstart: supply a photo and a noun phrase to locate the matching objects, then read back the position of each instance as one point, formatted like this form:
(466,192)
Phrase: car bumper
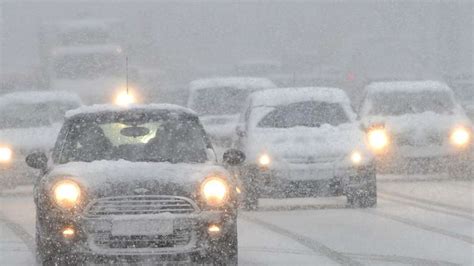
(311,181)
(96,240)
(432,159)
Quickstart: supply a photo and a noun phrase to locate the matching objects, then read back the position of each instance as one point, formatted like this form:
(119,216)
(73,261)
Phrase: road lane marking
(305,241)
(419,206)
(425,201)
(464,238)
(19,231)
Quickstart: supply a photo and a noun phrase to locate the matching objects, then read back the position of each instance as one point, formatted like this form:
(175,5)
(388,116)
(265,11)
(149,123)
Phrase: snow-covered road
(416,223)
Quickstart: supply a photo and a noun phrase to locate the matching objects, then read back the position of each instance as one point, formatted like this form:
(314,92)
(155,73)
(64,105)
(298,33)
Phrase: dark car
(134,184)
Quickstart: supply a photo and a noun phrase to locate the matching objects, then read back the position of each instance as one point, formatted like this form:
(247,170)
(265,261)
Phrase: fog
(325,132)
(184,40)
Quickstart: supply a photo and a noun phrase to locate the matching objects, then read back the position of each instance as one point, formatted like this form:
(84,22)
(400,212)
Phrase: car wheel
(366,196)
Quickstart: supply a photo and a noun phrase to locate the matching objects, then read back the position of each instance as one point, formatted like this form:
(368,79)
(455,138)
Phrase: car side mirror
(240,132)
(37,160)
(233,157)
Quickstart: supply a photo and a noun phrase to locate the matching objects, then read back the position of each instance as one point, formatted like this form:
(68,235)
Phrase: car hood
(220,125)
(119,178)
(301,143)
(423,127)
(29,139)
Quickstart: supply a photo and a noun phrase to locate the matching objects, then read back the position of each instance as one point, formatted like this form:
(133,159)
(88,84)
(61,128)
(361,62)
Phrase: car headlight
(264,160)
(66,193)
(356,157)
(6,154)
(460,137)
(378,139)
(215,191)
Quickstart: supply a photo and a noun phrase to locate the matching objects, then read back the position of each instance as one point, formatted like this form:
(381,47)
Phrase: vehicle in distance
(304,142)
(417,126)
(29,121)
(218,101)
(134,184)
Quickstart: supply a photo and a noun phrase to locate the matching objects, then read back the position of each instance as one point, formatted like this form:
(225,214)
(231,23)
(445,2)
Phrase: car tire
(366,195)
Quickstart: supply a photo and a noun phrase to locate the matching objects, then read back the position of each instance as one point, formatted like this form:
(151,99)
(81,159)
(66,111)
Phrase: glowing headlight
(378,139)
(66,193)
(5,154)
(356,157)
(460,137)
(125,99)
(264,160)
(215,191)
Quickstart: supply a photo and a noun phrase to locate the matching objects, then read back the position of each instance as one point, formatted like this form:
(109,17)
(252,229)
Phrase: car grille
(135,205)
(179,238)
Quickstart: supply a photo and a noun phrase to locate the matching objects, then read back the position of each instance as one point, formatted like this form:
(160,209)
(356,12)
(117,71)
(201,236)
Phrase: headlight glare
(215,191)
(66,193)
(356,157)
(264,160)
(6,154)
(378,139)
(460,137)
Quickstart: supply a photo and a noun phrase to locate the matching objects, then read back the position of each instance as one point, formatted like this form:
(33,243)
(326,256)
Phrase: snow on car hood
(109,178)
(220,125)
(299,143)
(421,126)
(28,139)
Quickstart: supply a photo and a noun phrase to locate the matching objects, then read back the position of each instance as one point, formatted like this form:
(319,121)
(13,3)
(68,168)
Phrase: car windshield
(305,114)
(219,101)
(134,137)
(19,115)
(400,103)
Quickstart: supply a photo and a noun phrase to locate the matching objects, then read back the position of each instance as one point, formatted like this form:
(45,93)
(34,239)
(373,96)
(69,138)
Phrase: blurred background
(169,43)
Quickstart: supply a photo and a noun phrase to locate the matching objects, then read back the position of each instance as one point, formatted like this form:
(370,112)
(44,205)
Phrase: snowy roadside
(13,249)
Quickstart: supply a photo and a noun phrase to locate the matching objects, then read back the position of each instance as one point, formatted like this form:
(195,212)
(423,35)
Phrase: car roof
(285,96)
(111,108)
(406,86)
(35,97)
(234,82)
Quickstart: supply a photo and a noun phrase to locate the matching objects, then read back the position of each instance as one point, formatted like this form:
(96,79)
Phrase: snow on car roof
(284,96)
(99,108)
(406,86)
(235,82)
(33,97)
(89,49)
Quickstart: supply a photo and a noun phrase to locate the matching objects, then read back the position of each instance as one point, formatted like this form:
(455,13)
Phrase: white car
(29,121)
(415,125)
(464,90)
(134,184)
(218,101)
(304,142)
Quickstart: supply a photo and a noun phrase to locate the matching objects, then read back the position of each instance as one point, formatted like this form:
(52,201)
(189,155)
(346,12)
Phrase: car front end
(422,146)
(150,223)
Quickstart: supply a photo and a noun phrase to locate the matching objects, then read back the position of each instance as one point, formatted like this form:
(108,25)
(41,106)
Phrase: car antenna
(126,73)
